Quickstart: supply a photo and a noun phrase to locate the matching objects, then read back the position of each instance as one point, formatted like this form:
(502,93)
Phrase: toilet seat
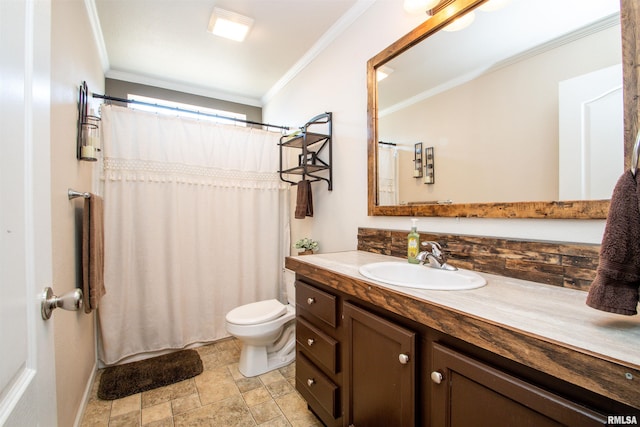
(266,330)
(256,312)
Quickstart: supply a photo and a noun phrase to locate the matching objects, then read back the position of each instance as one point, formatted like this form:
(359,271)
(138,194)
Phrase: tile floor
(219,396)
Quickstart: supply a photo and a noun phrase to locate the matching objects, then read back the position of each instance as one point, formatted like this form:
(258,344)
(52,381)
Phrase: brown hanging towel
(304,200)
(92,253)
(615,288)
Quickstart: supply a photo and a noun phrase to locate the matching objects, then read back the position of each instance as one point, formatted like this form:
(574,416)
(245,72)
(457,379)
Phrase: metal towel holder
(71,300)
(73,194)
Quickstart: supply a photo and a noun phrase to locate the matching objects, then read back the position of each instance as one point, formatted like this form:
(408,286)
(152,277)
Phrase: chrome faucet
(435,256)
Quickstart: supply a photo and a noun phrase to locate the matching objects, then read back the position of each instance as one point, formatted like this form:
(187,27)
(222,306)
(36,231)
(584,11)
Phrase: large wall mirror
(521,112)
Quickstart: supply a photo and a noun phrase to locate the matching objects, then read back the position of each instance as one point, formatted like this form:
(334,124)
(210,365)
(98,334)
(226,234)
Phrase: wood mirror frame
(444,13)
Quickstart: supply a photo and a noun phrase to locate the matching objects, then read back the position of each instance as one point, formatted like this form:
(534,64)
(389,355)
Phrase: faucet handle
(436,249)
(438,257)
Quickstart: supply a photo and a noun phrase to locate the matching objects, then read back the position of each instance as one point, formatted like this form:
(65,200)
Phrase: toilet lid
(256,312)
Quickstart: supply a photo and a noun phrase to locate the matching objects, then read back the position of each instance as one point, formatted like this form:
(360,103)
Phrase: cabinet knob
(437,377)
(403,358)
(310,341)
(311,382)
(310,300)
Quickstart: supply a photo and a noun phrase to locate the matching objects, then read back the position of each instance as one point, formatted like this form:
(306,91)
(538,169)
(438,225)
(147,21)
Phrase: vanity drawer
(319,303)
(317,344)
(311,381)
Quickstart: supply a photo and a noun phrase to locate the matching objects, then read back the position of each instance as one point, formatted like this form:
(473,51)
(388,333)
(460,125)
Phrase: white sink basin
(421,277)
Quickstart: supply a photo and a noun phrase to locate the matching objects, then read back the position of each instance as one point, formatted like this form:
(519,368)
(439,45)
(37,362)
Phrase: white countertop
(551,313)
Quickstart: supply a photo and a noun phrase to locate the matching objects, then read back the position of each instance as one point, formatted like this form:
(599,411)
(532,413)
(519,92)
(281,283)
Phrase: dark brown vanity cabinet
(466,392)
(318,363)
(380,373)
(361,365)
(353,367)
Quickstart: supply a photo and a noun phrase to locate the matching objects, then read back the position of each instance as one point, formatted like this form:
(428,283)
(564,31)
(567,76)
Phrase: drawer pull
(310,341)
(311,382)
(437,377)
(403,358)
(311,300)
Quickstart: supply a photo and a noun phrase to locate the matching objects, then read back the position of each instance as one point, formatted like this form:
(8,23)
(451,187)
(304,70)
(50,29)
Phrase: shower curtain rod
(149,104)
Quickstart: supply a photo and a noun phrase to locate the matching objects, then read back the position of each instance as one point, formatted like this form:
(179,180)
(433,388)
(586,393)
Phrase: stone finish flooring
(220,396)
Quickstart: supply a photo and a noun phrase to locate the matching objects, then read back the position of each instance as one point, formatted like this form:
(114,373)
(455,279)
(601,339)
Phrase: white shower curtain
(196,223)
(387,175)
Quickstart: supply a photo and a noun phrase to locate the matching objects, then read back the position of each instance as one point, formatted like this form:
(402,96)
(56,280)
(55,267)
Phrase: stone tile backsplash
(570,265)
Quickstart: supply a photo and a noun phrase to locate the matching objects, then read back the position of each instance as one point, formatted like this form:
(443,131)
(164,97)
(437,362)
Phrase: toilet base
(257,360)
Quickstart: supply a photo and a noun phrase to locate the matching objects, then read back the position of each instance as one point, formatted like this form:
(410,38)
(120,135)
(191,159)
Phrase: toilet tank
(289,281)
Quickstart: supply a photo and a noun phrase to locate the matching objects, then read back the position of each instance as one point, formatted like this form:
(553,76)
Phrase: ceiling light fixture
(415,7)
(461,23)
(383,72)
(229,25)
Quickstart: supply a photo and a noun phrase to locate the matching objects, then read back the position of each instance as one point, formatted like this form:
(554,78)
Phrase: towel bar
(73,194)
(636,153)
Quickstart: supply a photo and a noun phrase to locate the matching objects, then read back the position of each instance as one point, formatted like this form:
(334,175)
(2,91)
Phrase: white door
(591,134)
(27,379)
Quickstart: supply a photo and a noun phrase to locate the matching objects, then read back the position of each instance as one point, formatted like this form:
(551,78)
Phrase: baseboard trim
(85,397)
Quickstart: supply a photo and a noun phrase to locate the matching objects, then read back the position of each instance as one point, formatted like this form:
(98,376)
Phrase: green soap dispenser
(413,243)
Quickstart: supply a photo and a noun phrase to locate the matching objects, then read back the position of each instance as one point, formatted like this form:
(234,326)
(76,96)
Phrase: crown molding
(98,37)
(323,42)
(180,87)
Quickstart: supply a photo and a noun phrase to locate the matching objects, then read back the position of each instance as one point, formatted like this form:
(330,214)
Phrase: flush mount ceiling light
(229,25)
(383,72)
(460,23)
(415,7)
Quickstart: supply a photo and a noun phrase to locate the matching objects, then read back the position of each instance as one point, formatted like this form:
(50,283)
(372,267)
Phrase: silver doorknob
(311,382)
(71,301)
(310,300)
(310,341)
(437,377)
(403,358)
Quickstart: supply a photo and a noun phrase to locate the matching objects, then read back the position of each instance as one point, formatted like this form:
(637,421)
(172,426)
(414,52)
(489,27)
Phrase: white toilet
(267,331)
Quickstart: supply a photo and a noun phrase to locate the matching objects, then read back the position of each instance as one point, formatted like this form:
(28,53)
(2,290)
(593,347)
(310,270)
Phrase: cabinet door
(379,372)
(466,392)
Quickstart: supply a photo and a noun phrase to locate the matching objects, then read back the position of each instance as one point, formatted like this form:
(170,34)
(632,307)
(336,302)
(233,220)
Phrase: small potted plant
(306,246)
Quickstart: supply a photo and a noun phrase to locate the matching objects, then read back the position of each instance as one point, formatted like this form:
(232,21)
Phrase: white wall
(73,59)
(336,81)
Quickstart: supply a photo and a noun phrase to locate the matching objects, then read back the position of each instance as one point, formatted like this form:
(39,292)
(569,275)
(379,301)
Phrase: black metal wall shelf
(313,144)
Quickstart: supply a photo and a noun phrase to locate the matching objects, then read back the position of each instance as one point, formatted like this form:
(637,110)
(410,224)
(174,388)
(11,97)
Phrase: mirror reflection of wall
(497,134)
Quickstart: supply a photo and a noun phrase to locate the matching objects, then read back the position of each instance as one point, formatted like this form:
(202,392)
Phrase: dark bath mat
(131,378)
